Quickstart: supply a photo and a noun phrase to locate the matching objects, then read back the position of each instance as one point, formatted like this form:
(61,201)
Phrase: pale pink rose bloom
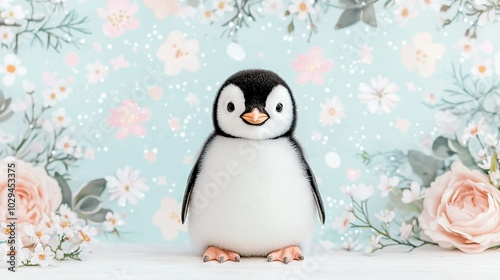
(178,54)
(120,17)
(128,118)
(163,8)
(311,66)
(422,54)
(462,210)
(36,192)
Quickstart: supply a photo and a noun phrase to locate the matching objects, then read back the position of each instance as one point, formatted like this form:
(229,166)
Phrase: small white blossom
(112,221)
(66,144)
(473,129)
(374,244)
(405,230)
(59,118)
(351,245)
(495,178)
(341,224)
(385,216)
(413,194)
(362,192)
(37,234)
(43,257)
(21,104)
(387,184)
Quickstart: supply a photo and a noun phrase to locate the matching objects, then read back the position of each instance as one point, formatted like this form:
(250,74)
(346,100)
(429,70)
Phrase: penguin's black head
(254,104)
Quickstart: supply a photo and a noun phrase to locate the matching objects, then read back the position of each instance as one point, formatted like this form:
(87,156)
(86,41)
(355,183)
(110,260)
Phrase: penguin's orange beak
(255,117)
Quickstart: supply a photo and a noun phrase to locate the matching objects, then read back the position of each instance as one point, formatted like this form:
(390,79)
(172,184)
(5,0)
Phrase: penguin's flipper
(192,179)
(312,181)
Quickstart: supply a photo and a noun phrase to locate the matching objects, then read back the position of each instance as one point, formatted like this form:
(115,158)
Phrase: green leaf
(97,217)
(287,13)
(424,166)
(441,149)
(65,190)
(88,205)
(4,106)
(95,187)
(348,18)
(291,27)
(463,154)
(6,116)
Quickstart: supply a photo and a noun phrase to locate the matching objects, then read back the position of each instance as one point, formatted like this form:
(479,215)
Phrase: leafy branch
(51,36)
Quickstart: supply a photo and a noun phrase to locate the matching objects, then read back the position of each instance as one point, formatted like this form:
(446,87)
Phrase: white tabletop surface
(149,261)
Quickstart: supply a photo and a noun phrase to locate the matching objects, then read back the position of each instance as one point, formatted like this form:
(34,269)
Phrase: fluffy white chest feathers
(251,197)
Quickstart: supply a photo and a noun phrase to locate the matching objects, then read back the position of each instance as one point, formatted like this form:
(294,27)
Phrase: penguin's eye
(279,107)
(230,107)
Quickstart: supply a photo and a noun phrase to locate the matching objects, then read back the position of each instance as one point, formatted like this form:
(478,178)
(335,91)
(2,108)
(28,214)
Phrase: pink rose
(36,192)
(462,210)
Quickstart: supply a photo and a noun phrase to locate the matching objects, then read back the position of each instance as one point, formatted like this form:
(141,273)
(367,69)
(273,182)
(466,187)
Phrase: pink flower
(120,17)
(462,210)
(422,54)
(128,118)
(37,192)
(311,66)
(162,8)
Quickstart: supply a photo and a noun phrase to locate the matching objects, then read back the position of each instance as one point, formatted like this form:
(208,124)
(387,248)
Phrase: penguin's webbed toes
(220,255)
(286,255)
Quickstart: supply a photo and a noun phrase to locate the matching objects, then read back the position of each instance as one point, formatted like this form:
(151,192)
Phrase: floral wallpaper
(112,99)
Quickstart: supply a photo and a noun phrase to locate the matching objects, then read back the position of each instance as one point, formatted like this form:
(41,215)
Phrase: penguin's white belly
(251,197)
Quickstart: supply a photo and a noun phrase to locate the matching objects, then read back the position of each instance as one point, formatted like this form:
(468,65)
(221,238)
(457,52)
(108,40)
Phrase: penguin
(251,191)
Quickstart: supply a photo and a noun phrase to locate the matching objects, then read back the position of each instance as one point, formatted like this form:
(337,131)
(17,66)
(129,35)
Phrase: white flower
(6,35)
(168,218)
(37,234)
(447,122)
(13,14)
(112,221)
(126,186)
(405,230)
(11,68)
(303,8)
(482,68)
(332,111)
(272,6)
(491,140)
(342,223)
(485,163)
(51,223)
(473,129)
(66,144)
(54,94)
(412,194)
(43,257)
(347,190)
(21,104)
(222,6)
(4,4)
(495,178)
(374,243)
(385,216)
(351,245)
(59,118)
(4,231)
(387,184)
(28,87)
(467,46)
(61,89)
(67,214)
(208,16)
(433,5)
(179,53)
(96,72)
(59,255)
(404,10)
(380,96)
(362,192)
(86,234)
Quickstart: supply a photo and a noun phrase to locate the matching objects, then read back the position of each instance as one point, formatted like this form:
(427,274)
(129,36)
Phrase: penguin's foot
(286,255)
(216,254)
